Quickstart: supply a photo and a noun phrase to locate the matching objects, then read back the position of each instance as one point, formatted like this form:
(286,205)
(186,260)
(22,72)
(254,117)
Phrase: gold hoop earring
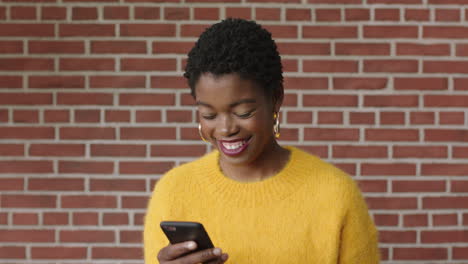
(276,126)
(200,133)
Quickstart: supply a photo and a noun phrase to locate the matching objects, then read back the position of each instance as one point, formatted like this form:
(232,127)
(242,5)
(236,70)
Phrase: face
(235,116)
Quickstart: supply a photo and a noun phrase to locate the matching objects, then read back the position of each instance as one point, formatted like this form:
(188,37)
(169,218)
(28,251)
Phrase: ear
(278,99)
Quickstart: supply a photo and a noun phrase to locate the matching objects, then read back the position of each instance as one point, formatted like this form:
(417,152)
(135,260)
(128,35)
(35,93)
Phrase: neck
(269,163)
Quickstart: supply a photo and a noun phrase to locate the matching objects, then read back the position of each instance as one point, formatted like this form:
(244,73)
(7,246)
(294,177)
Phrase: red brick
(414,220)
(299,117)
(386,14)
(27,132)
(2,12)
(57,116)
(420,253)
(388,169)
(10,47)
(377,134)
(131,167)
(56,184)
(88,201)
(61,253)
(423,49)
(329,32)
(87,64)
(11,82)
(418,186)
(368,186)
(117,185)
(116,12)
(26,64)
(392,203)
(22,13)
(87,116)
(25,99)
(420,152)
(126,81)
(386,219)
(113,150)
(327,14)
(147,30)
(361,118)
(362,49)
(417,14)
(390,2)
(451,118)
(87,133)
(397,236)
(353,151)
(148,64)
(26,166)
(303,14)
(147,99)
(282,31)
(85,99)
(447,15)
(444,169)
(386,32)
(337,2)
(11,150)
(239,12)
(273,14)
(130,237)
(393,66)
(448,2)
(305,83)
(330,66)
(148,133)
(462,50)
(332,134)
(118,253)
(357,14)
(165,47)
(12,252)
(446,135)
(148,116)
(444,236)
(177,150)
(27,30)
(450,32)
(445,67)
(460,152)
(51,81)
(11,184)
(289,48)
(206,13)
(86,236)
(422,118)
(357,83)
(53,218)
(391,101)
(26,116)
(89,167)
(460,202)
(25,219)
(53,13)
(28,201)
(113,47)
(117,116)
(444,219)
(147,12)
(86,30)
(115,219)
(168,82)
(24,236)
(176,13)
(178,116)
(83,219)
(433,83)
(460,253)
(446,100)
(392,118)
(134,202)
(84,13)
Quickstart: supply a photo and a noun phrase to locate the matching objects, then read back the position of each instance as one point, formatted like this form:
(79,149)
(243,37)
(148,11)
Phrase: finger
(203,256)
(174,251)
(224,257)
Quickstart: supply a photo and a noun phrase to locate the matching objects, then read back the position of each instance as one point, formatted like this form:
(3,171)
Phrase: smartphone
(178,231)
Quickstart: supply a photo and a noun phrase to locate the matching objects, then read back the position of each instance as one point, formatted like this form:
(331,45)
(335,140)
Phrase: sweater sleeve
(154,238)
(359,236)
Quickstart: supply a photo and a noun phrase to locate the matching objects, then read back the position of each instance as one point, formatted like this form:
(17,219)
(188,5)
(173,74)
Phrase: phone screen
(178,231)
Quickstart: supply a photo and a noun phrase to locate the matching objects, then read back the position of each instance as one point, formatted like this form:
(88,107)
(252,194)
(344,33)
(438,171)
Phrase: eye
(208,117)
(245,115)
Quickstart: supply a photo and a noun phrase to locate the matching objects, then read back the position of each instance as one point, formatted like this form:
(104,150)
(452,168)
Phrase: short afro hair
(237,46)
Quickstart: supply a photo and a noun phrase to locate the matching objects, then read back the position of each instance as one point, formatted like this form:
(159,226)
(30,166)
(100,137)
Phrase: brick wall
(93,109)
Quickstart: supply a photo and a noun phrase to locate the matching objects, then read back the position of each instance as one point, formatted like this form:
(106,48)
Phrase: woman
(260,202)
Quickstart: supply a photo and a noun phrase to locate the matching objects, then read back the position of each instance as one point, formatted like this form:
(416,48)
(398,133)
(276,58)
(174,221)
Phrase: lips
(233,147)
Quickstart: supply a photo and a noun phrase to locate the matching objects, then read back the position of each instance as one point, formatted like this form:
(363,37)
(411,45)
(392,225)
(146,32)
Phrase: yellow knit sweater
(310,212)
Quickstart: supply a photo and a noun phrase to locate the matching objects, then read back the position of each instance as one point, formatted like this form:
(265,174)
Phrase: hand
(179,254)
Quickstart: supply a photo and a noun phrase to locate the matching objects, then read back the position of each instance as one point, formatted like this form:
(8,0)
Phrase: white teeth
(235,145)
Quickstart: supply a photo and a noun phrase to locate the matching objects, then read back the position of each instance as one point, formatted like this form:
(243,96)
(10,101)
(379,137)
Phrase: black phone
(179,231)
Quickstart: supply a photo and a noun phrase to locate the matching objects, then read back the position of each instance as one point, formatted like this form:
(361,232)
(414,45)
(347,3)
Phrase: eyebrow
(242,101)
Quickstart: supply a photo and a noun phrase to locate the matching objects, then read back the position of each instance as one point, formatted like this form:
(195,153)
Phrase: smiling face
(236,117)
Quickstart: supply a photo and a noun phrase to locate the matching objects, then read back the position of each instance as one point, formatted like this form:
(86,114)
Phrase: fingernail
(191,245)
(224,257)
(217,251)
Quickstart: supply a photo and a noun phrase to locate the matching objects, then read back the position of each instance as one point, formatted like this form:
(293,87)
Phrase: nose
(227,126)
